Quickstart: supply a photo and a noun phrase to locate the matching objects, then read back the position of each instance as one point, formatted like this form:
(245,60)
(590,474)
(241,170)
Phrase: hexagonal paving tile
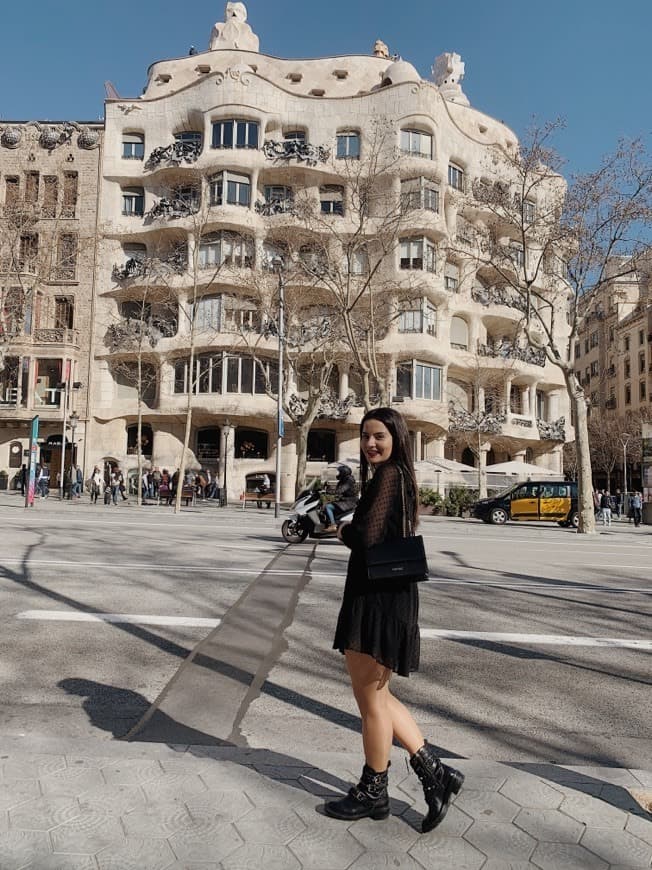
(550,826)
(267,826)
(268,857)
(434,850)
(592,811)
(202,840)
(618,847)
(136,854)
(641,827)
(228,805)
(18,848)
(87,834)
(486,805)
(326,848)
(44,813)
(22,766)
(391,860)
(528,791)
(497,864)
(72,782)
(393,835)
(500,840)
(566,856)
(173,787)
(156,820)
(13,793)
(113,800)
(63,862)
(132,772)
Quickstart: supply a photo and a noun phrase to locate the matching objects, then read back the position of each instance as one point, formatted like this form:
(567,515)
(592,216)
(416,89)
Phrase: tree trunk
(482,469)
(584,476)
(139,433)
(302,453)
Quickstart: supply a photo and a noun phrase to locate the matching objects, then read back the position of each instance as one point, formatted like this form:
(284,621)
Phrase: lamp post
(624,440)
(438,473)
(277,264)
(73,420)
(227,429)
(64,391)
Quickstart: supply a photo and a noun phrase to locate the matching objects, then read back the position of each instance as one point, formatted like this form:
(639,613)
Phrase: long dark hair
(401,454)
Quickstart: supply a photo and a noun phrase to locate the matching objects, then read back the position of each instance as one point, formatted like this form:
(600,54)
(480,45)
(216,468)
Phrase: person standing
(618,503)
(637,509)
(605,508)
(378,632)
(97,483)
(23,479)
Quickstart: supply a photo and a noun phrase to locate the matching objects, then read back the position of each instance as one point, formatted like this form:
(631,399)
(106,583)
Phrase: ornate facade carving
(88,139)
(293,149)
(330,408)
(234,32)
(498,296)
(381,49)
(172,208)
(447,73)
(504,349)
(11,137)
(174,154)
(552,431)
(240,73)
(490,423)
(275,206)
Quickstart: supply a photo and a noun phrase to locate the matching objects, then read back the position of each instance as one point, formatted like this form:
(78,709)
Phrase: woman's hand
(340,527)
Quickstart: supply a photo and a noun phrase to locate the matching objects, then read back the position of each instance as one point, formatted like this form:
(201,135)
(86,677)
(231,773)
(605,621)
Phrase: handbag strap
(407,522)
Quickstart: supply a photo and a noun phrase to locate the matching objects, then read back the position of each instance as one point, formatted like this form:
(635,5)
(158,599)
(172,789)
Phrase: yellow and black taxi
(540,500)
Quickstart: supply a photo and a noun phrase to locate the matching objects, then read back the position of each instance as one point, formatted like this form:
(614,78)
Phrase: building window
(225,248)
(28,252)
(641,336)
(628,368)
(237,187)
(529,211)
(611,335)
(416,143)
(12,192)
(64,312)
(348,145)
(331,198)
(626,343)
(241,315)
(628,395)
(278,193)
(455,177)
(418,254)
(67,257)
(31,187)
(641,363)
(595,370)
(593,339)
(418,316)
(250,444)
(541,405)
(193,137)
(294,136)
(208,313)
(235,134)
(133,146)
(419,193)
(9,376)
(70,193)
(321,445)
(642,391)
(578,350)
(47,376)
(273,252)
(459,333)
(356,262)
(416,380)
(517,255)
(146,440)
(50,196)
(451,277)
(133,201)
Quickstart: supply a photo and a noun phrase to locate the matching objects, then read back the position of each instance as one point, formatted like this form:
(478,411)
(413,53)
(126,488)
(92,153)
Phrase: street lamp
(277,265)
(438,473)
(73,421)
(227,428)
(64,390)
(624,440)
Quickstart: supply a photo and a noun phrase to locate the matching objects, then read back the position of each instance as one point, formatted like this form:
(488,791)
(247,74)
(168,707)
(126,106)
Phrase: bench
(165,496)
(258,498)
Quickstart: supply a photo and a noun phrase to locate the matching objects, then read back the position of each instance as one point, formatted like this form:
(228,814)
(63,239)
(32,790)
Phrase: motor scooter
(309,519)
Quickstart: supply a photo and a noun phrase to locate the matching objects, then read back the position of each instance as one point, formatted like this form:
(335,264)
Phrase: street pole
(64,392)
(278,267)
(227,428)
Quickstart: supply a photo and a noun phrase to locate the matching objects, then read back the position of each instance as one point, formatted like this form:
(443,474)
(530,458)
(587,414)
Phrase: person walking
(605,508)
(23,479)
(377,629)
(637,509)
(618,503)
(97,484)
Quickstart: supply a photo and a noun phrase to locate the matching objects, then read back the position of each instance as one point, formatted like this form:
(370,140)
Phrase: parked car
(540,500)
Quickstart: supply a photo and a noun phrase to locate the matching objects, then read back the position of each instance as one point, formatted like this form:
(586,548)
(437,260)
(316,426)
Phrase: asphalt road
(544,666)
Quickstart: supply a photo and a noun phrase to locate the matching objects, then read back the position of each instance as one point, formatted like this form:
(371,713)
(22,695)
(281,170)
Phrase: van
(536,500)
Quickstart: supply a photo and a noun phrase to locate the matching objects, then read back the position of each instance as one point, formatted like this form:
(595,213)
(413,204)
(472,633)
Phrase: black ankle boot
(366,800)
(439,782)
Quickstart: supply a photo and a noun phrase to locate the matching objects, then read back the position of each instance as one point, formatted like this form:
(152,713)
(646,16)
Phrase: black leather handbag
(403,559)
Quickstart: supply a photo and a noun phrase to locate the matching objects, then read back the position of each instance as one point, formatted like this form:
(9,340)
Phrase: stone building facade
(49,182)
(200,173)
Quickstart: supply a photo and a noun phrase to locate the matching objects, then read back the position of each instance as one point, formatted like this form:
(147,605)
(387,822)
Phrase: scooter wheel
(293,532)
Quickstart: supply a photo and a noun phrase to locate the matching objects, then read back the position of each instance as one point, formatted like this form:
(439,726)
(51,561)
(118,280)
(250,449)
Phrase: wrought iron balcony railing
(511,350)
(275,206)
(554,430)
(295,149)
(172,208)
(174,154)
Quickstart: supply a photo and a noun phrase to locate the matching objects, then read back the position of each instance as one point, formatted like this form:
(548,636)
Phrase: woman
(377,629)
(97,482)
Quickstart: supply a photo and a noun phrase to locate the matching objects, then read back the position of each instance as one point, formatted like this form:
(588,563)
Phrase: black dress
(380,620)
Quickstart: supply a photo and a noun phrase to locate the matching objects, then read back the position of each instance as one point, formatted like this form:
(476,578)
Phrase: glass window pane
(232,375)
(247,377)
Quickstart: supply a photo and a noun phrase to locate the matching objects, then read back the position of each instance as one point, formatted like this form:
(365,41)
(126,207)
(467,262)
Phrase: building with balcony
(49,176)
(206,177)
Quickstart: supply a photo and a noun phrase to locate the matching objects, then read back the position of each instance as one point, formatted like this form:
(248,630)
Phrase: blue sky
(585,60)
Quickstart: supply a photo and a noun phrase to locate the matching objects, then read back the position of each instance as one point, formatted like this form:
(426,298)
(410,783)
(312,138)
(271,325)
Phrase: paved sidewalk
(107,805)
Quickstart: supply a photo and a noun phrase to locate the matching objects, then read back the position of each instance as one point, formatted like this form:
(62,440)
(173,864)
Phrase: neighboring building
(49,176)
(233,136)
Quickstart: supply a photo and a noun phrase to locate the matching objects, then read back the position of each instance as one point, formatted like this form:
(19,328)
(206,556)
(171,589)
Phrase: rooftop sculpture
(447,73)
(234,32)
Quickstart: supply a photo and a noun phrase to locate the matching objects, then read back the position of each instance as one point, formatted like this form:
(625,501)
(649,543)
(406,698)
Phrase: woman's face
(376,442)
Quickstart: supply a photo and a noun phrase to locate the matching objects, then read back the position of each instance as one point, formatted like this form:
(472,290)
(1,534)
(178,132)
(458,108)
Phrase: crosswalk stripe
(537,639)
(119,618)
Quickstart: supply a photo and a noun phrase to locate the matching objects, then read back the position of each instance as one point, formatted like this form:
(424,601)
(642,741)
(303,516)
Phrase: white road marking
(537,639)
(118,618)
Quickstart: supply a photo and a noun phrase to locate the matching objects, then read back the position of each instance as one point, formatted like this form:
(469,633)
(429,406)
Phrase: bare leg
(405,729)
(371,691)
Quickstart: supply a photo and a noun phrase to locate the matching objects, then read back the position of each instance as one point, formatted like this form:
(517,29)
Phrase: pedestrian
(378,632)
(155,481)
(618,503)
(117,485)
(43,481)
(144,484)
(345,498)
(23,479)
(97,482)
(637,509)
(605,508)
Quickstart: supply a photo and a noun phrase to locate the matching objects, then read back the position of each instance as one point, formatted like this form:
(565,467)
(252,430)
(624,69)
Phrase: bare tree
(547,251)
